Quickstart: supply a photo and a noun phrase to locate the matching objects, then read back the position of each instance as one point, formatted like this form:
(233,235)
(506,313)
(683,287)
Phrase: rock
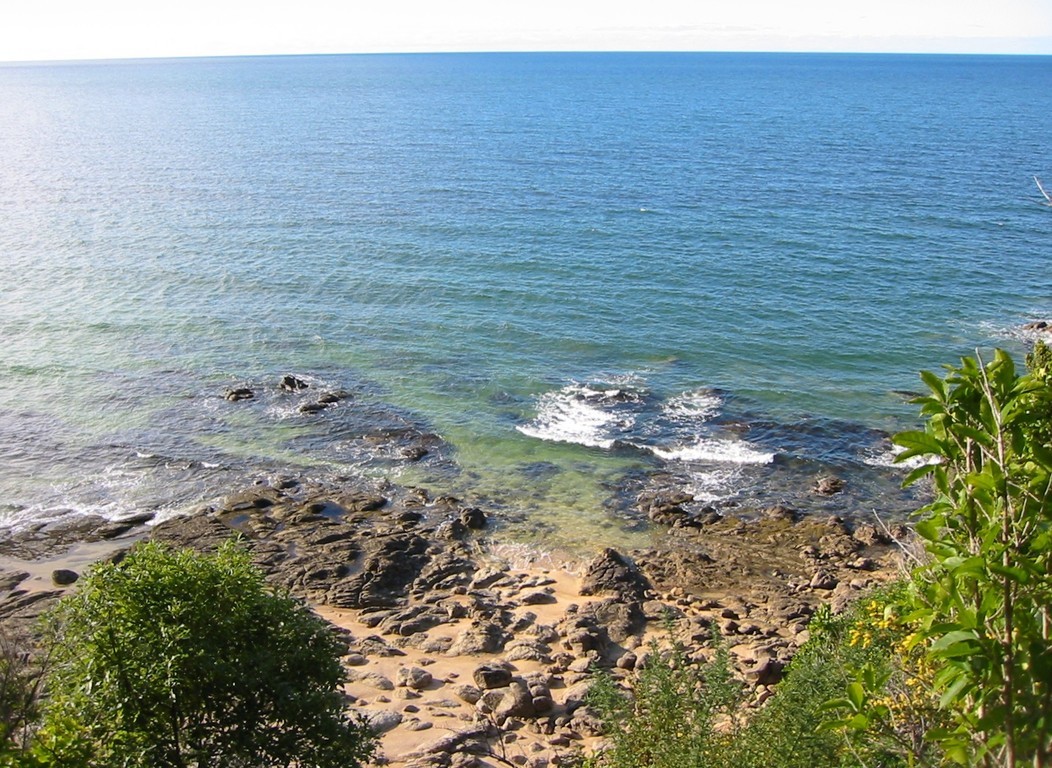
(824,579)
(617,618)
(489,676)
(612,572)
(868,535)
(626,661)
(473,518)
(237,394)
(382,721)
(539,597)
(468,693)
(375,679)
(414,677)
(11,579)
(828,486)
(62,577)
(480,637)
(781,512)
(312,408)
(516,702)
(330,398)
(587,722)
(528,650)
(290,383)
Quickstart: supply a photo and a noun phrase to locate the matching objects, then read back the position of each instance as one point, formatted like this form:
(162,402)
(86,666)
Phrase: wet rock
(869,535)
(612,572)
(781,512)
(309,408)
(828,486)
(236,394)
(473,518)
(11,579)
(290,383)
(391,565)
(62,577)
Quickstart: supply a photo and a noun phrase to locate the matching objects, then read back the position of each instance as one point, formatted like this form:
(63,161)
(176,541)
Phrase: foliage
(886,705)
(690,715)
(172,659)
(976,621)
(670,719)
(21,672)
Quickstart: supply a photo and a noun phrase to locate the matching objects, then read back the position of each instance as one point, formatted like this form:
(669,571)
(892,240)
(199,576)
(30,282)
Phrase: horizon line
(523,52)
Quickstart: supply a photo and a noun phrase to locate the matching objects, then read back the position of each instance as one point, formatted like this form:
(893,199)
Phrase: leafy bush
(672,716)
(20,677)
(982,605)
(172,659)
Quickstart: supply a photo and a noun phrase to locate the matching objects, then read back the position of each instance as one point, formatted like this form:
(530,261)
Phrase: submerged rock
(290,383)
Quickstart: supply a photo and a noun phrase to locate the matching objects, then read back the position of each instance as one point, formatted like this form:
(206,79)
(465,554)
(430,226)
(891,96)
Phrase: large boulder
(611,572)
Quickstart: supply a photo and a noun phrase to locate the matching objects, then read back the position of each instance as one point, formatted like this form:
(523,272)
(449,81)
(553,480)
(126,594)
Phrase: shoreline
(453,649)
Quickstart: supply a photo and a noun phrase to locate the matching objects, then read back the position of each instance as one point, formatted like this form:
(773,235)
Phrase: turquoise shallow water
(578,270)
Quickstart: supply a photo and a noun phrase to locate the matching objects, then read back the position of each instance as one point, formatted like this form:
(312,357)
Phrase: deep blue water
(578,270)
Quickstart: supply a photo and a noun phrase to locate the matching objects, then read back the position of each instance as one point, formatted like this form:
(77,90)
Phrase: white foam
(715,451)
(700,405)
(575,414)
(888,458)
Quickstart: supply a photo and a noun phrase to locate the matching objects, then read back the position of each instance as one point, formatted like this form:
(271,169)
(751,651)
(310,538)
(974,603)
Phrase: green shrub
(172,659)
(673,715)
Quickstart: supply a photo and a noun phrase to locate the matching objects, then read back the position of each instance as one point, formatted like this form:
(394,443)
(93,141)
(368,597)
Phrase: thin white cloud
(64,29)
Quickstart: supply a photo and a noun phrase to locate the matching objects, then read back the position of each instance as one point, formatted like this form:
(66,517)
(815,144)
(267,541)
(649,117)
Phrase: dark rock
(414,452)
(292,384)
(391,565)
(781,512)
(330,398)
(11,579)
(617,618)
(612,572)
(538,598)
(239,393)
(62,577)
(828,486)
(473,517)
(312,408)
(489,676)
(482,636)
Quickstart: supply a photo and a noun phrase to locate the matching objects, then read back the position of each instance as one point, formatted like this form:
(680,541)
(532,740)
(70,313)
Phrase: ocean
(545,283)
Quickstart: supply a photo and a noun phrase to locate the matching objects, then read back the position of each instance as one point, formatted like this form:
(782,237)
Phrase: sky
(94,29)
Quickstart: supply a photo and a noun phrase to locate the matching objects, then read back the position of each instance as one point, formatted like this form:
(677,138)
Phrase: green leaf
(917,443)
(856,695)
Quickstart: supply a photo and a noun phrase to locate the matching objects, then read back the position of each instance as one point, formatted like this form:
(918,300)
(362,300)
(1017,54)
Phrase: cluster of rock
(441,638)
